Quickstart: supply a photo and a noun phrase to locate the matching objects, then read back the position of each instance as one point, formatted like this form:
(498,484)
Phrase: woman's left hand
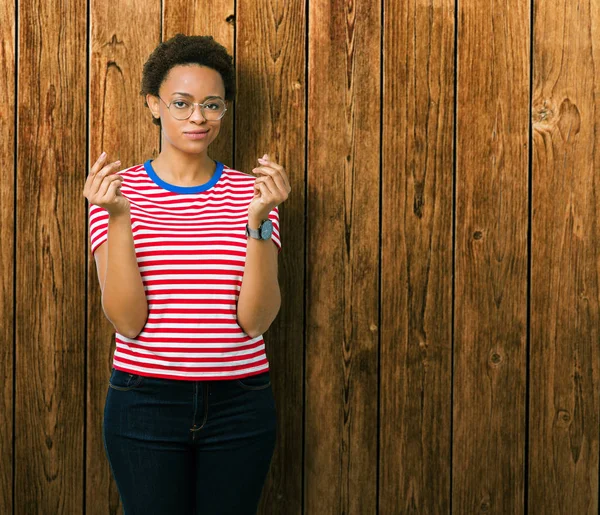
(271,188)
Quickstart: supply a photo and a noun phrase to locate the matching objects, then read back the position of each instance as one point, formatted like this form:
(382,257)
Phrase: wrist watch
(264,231)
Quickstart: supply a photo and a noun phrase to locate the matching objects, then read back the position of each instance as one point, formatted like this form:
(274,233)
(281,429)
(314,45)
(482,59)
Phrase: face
(187,84)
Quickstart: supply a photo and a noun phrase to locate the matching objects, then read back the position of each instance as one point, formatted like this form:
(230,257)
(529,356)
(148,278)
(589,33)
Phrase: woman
(186,251)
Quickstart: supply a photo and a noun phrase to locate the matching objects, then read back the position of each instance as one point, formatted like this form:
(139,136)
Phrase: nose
(197,115)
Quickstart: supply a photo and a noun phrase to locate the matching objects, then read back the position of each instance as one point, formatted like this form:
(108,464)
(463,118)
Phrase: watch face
(266,229)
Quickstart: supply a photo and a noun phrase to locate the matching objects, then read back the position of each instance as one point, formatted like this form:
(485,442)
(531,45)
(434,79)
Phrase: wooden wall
(437,350)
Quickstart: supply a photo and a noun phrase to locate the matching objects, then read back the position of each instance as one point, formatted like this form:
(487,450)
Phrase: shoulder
(132,171)
(237,175)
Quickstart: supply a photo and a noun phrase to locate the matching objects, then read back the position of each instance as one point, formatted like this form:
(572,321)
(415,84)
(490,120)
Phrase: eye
(181,104)
(213,106)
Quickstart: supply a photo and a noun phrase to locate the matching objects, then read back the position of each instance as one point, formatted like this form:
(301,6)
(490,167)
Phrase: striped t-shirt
(190,245)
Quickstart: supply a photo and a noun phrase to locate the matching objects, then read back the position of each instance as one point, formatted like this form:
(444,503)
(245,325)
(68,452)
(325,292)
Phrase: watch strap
(256,233)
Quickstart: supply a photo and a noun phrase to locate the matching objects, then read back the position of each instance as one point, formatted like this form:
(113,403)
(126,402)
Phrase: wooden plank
(343,252)
(416,272)
(565,274)
(271,118)
(214,18)
(491,257)
(122,126)
(7,228)
(50,268)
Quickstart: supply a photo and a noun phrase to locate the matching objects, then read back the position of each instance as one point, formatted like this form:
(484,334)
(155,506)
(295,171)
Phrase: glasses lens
(214,109)
(181,109)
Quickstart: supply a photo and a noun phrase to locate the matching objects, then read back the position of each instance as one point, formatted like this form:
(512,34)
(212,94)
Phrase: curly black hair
(182,49)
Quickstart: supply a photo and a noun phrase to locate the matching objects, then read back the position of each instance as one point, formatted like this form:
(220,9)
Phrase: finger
(267,190)
(98,164)
(277,168)
(107,182)
(107,170)
(279,183)
(111,194)
(262,193)
(267,161)
(98,186)
(110,168)
(118,191)
(93,171)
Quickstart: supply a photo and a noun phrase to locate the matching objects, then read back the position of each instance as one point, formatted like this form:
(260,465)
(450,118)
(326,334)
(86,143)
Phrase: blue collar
(183,189)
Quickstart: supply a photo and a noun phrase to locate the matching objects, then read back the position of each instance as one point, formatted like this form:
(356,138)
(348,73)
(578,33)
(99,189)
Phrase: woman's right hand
(103,187)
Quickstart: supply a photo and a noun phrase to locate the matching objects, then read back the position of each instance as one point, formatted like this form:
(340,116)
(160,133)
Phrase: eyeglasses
(214,109)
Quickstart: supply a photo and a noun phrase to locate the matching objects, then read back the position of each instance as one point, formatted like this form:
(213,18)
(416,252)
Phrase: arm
(260,299)
(123,295)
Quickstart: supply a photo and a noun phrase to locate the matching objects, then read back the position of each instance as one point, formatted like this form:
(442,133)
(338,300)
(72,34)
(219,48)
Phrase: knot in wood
(495,358)
(543,113)
(569,120)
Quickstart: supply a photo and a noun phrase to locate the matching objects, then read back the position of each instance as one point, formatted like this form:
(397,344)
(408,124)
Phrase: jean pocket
(124,381)
(256,382)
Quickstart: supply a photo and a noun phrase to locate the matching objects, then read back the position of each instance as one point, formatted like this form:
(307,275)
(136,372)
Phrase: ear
(153,102)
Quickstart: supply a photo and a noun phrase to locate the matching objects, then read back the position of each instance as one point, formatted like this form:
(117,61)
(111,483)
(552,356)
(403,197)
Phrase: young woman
(186,250)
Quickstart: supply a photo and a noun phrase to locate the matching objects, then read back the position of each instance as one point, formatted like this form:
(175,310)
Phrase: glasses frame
(194,104)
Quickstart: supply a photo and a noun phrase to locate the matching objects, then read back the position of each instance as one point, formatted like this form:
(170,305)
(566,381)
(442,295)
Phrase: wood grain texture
(214,18)
(416,272)
(343,257)
(50,268)
(122,126)
(565,275)
(7,228)
(491,257)
(445,444)
(270,118)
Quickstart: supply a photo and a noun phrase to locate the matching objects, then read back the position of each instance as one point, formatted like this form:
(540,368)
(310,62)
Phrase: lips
(196,135)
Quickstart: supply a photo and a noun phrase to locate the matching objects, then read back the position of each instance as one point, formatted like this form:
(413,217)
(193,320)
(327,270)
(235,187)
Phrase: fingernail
(261,160)
(117,162)
(103,154)
(265,156)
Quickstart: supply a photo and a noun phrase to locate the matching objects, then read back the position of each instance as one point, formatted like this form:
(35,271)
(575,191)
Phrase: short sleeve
(98,222)
(276,237)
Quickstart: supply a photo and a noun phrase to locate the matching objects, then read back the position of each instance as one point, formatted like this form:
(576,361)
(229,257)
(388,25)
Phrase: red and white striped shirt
(190,245)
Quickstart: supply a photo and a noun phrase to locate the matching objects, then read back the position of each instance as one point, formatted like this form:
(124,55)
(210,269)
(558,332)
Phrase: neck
(182,169)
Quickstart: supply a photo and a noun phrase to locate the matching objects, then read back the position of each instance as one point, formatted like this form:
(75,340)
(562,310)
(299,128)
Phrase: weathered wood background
(437,350)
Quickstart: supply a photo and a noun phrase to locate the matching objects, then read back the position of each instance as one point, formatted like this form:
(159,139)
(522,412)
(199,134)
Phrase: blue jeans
(189,447)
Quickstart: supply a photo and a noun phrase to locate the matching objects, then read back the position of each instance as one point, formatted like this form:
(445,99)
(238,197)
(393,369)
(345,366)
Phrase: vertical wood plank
(214,18)
(343,255)
(270,117)
(50,278)
(491,257)
(565,271)
(416,283)
(7,228)
(122,126)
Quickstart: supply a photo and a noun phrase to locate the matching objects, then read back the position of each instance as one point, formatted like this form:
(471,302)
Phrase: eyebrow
(191,96)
